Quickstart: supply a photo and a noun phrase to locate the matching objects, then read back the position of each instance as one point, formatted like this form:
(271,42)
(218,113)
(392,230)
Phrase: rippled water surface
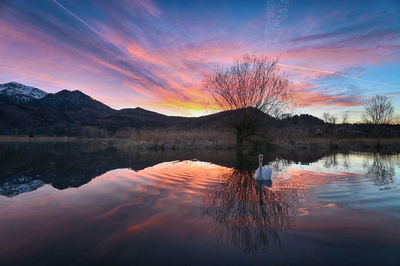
(337,209)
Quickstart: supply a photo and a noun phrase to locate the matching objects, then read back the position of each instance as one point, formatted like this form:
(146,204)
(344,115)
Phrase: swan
(263,172)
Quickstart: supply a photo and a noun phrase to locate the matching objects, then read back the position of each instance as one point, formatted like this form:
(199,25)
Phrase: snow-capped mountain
(20,93)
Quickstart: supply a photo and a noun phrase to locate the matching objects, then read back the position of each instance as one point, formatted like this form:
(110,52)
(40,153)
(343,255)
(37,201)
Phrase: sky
(156,54)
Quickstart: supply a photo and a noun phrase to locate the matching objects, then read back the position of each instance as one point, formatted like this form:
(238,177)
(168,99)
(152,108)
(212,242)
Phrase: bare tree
(328,118)
(252,82)
(345,117)
(331,121)
(379,110)
(396,119)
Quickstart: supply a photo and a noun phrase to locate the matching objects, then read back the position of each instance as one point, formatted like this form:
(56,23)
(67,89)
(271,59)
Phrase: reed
(181,135)
(170,139)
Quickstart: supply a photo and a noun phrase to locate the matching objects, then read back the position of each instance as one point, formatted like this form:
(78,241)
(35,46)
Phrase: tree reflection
(330,160)
(381,170)
(335,160)
(249,214)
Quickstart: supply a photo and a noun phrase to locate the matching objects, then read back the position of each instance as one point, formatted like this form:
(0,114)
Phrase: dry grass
(177,139)
(344,144)
(8,138)
(348,140)
(161,140)
(180,135)
(189,140)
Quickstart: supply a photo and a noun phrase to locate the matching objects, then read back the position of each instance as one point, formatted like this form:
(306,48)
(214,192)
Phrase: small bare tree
(345,117)
(379,110)
(252,82)
(331,121)
(328,118)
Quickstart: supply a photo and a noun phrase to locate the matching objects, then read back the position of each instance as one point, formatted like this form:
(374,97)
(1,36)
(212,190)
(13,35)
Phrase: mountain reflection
(249,214)
(19,184)
(26,167)
(73,164)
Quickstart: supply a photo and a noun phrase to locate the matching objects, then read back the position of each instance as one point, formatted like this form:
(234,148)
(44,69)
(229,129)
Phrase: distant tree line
(255,83)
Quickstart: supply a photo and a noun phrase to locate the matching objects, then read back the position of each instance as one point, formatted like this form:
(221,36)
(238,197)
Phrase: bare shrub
(252,82)
(379,110)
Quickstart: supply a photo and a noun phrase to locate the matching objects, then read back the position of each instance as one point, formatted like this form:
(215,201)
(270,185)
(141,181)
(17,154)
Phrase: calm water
(73,205)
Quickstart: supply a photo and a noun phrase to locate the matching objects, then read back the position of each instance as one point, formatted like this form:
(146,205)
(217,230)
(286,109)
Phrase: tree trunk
(239,139)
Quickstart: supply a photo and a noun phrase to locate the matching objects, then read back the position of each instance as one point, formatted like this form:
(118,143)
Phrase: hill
(16,93)
(28,109)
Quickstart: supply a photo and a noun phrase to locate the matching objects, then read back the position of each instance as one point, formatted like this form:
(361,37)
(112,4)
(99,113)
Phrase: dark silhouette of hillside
(70,100)
(67,112)
(25,109)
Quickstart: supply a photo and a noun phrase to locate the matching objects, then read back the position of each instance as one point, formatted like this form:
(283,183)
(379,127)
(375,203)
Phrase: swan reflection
(249,214)
(265,183)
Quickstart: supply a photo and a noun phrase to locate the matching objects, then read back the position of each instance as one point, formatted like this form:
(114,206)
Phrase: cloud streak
(79,19)
(156,54)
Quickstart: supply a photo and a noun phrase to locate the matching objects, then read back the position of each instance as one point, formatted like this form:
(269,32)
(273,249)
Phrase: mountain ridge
(69,100)
(14,92)
(70,112)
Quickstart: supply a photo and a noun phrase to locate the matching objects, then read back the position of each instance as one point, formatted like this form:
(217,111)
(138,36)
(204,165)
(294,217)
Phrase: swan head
(260,159)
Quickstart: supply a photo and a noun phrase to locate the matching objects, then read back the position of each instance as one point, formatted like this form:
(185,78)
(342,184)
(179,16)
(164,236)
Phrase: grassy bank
(8,138)
(191,140)
(159,140)
(178,140)
(341,144)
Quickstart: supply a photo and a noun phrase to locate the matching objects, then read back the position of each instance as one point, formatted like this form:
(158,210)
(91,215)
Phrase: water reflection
(65,165)
(73,164)
(330,160)
(249,214)
(381,170)
(19,184)
(337,161)
(263,183)
(213,213)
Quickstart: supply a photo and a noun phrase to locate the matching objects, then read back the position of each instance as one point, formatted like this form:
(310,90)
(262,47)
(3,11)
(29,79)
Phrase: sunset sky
(155,54)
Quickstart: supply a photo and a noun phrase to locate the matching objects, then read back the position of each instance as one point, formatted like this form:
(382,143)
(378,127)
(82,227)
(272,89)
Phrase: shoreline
(387,145)
(7,138)
(310,144)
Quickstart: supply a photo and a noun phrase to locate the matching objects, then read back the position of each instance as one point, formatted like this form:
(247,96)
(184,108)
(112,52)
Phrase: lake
(90,204)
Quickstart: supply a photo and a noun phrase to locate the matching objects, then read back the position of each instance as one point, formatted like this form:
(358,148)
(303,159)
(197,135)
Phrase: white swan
(263,172)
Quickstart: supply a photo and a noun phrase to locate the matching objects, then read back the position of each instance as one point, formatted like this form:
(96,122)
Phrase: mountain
(24,109)
(16,93)
(70,112)
(137,118)
(69,100)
